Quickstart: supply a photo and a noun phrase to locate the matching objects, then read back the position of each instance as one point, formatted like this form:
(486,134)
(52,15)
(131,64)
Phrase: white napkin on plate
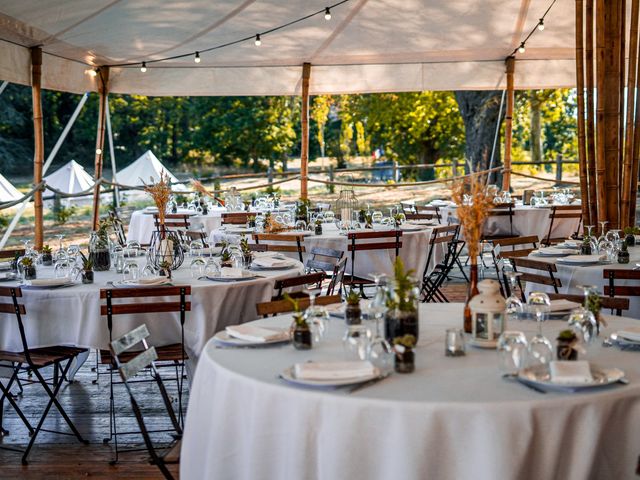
(228,272)
(630,333)
(270,262)
(251,333)
(555,251)
(152,281)
(50,282)
(562,305)
(570,372)
(333,370)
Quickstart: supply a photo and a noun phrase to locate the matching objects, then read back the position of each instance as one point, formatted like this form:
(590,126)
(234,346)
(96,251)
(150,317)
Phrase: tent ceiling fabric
(367,46)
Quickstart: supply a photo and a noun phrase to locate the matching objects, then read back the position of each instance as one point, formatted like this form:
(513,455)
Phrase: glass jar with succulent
(302,209)
(99,246)
(623,253)
(247,254)
(352,313)
(399,219)
(404,356)
(226,257)
(318,227)
(164,269)
(402,316)
(567,342)
(593,304)
(87,269)
(28,268)
(251,221)
(362,216)
(300,330)
(14,263)
(585,247)
(47,256)
(630,235)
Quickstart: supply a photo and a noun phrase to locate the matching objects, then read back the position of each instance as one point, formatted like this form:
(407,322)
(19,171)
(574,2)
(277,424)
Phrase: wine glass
(582,320)
(316,315)
(514,306)
(198,267)
(131,271)
(379,351)
(512,352)
(377,216)
(540,348)
(62,268)
(61,253)
(603,229)
(355,342)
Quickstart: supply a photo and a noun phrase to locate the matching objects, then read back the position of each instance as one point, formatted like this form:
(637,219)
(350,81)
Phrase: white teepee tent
(8,193)
(70,178)
(143,170)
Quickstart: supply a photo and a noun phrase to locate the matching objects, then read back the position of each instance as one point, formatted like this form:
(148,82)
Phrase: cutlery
(373,381)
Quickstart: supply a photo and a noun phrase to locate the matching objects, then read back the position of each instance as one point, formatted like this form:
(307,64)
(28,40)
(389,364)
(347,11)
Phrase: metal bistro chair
(501,210)
(431,210)
(172,355)
(118,228)
(137,361)
(287,242)
(509,248)
(434,279)
(615,304)
(276,307)
(325,260)
(539,278)
(34,360)
(235,218)
(613,290)
(560,212)
(306,279)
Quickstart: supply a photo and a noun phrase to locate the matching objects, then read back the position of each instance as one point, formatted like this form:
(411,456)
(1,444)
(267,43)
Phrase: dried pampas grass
(160,193)
(473,213)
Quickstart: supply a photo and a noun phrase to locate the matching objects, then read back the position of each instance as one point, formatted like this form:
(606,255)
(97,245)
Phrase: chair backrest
(320,259)
(337,276)
(235,218)
(560,212)
(200,236)
(276,307)
(9,304)
(373,241)
(408,207)
(287,242)
(11,253)
(172,221)
(315,278)
(503,210)
(128,370)
(445,234)
(542,279)
(610,303)
(612,290)
(519,246)
(118,227)
(429,210)
(421,216)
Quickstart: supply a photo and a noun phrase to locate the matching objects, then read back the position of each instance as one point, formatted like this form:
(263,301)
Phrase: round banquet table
(527,221)
(453,418)
(573,276)
(72,315)
(414,250)
(141,224)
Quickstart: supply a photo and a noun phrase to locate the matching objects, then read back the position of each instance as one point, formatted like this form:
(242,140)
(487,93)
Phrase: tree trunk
(536,128)
(479,110)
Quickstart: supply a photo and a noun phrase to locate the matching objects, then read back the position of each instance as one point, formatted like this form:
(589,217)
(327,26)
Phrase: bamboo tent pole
(38,141)
(636,144)
(621,84)
(629,181)
(103,89)
(304,150)
(508,125)
(591,115)
(582,153)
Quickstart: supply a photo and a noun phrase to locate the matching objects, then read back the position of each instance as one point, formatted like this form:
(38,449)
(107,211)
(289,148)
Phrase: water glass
(454,342)
(356,342)
(512,352)
(198,267)
(62,268)
(131,271)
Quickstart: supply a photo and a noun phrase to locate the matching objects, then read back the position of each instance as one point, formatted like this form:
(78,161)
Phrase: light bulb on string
(521,48)
(143,68)
(197,57)
(98,151)
(258,42)
(92,72)
(541,24)
(327,14)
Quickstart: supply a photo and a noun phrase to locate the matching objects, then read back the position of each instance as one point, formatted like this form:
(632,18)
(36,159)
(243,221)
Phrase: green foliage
(87,263)
(4,221)
(298,317)
(46,249)
(63,214)
(353,297)
(244,245)
(407,341)
(567,336)
(27,262)
(403,297)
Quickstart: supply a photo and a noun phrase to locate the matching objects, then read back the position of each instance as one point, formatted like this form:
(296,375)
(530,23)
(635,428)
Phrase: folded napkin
(420,222)
(570,242)
(270,262)
(562,305)
(570,372)
(555,251)
(333,370)
(254,334)
(152,281)
(630,333)
(410,227)
(50,282)
(228,272)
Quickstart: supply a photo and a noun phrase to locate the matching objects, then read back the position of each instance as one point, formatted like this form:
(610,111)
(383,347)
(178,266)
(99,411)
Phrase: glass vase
(472,291)
(99,252)
(402,316)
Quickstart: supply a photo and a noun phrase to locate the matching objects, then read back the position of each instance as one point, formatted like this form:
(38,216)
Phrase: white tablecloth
(414,250)
(141,225)
(453,418)
(573,276)
(72,315)
(526,221)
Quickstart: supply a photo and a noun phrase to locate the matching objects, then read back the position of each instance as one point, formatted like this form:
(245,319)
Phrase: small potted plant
(14,263)
(630,236)
(318,227)
(623,254)
(404,356)
(300,331)
(585,248)
(402,316)
(99,246)
(164,269)
(368,221)
(593,304)
(226,259)
(29,268)
(87,269)
(362,216)
(353,312)
(251,221)
(247,254)
(47,256)
(398,219)
(566,346)
(302,209)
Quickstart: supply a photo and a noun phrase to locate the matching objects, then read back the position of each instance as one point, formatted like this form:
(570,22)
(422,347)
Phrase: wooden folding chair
(408,207)
(34,360)
(337,276)
(548,268)
(508,248)
(613,290)
(617,304)
(429,210)
(236,218)
(118,228)
(446,236)
(172,221)
(128,369)
(287,242)
(299,281)
(11,253)
(363,241)
(420,216)
(560,212)
(172,355)
(276,307)
(501,210)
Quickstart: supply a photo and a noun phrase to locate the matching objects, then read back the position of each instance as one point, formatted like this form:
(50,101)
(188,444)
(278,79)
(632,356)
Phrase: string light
(98,151)
(143,68)
(258,42)
(541,24)
(92,72)
(521,48)
(327,14)
(197,57)
(538,27)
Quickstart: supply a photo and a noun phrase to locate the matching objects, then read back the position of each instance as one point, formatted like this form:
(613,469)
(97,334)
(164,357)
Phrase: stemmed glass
(603,228)
(379,351)
(540,348)
(316,315)
(512,352)
(582,320)
(60,254)
(514,306)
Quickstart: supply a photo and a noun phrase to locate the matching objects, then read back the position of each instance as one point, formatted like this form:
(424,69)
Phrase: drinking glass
(540,348)
(512,352)
(195,249)
(60,253)
(454,342)
(62,268)
(582,321)
(132,248)
(198,267)
(603,228)
(514,306)
(379,351)
(355,342)
(377,216)
(131,271)
(329,216)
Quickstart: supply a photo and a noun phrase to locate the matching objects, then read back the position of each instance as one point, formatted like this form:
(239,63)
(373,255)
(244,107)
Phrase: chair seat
(355,280)
(166,353)
(172,452)
(42,357)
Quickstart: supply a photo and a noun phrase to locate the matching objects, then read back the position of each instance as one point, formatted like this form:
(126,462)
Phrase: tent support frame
(103,88)
(304,150)
(510,63)
(112,154)
(38,141)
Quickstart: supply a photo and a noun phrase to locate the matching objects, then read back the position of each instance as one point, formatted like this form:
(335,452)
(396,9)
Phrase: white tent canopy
(367,46)
(143,170)
(70,178)
(8,193)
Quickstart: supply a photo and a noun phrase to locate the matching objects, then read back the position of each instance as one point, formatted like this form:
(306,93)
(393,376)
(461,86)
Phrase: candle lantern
(488,319)
(346,204)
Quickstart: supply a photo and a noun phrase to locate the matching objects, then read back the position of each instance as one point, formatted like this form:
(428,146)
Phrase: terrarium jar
(99,253)
(301,334)
(630,240)
(352,314)
(346,204)
(402,317)
(87,276)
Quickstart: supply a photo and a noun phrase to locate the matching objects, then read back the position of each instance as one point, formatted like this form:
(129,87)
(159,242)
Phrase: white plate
(540,377)
(626,339)
(489,344)
(238,230)
(288,375)
(581,259)
(231,279)
(555,252)
(133,284)
(280,267)
(223,338)
(10,277)
(68,283)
